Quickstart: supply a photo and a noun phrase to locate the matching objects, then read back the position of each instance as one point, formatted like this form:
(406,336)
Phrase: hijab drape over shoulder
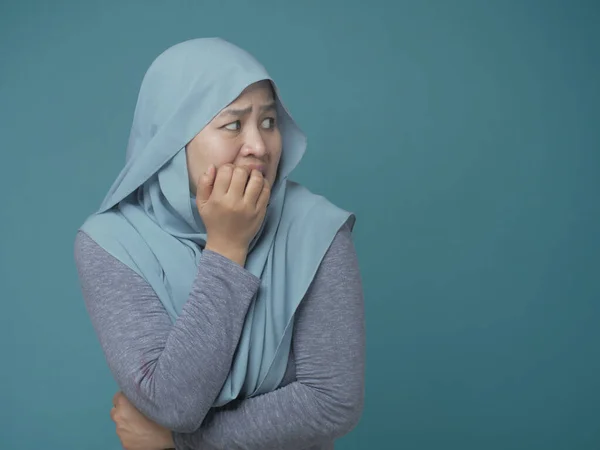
(149,221)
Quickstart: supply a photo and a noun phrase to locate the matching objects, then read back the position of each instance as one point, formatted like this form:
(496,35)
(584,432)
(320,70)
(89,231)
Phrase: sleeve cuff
(219,265)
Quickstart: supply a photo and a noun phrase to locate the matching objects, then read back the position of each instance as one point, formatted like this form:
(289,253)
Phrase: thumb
(206,184)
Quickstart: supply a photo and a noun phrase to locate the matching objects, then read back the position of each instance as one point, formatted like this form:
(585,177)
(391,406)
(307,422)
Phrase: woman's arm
(329,349)
(172,373)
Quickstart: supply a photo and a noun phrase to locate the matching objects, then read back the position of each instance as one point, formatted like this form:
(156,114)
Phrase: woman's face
(244,133)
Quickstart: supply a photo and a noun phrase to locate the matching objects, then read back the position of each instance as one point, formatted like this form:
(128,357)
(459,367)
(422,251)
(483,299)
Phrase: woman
(226,298)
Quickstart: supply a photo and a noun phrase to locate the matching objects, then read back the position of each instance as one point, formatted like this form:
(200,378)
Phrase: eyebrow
(243,112)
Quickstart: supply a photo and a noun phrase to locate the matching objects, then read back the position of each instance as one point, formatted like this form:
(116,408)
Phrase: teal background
(464,134)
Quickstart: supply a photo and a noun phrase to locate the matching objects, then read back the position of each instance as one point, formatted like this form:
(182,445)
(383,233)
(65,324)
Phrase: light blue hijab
(149,221)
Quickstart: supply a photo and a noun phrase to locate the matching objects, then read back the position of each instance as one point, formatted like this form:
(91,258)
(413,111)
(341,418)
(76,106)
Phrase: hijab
(148,220)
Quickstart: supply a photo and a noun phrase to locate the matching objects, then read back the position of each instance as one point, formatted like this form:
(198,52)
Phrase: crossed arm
(173,372)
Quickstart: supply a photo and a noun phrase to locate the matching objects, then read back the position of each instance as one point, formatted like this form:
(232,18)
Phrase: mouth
(260,167)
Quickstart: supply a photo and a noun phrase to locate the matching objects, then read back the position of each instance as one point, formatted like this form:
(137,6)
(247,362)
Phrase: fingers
(206,184)
(117,398)
(265,195)
(238,181)
(223,179)
(254,187)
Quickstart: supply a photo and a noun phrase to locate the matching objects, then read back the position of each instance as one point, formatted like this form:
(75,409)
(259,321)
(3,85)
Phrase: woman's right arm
(171,372)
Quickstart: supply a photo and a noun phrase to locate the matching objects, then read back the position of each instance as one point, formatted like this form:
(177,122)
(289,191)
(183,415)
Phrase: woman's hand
(232,202)
(135,430)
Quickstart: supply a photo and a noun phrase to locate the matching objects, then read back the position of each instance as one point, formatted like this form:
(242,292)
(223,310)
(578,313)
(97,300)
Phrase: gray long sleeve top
(172,372)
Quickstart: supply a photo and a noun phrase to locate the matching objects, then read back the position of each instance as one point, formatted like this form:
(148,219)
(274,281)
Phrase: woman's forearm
(293,417)
(172,373)
(325,402)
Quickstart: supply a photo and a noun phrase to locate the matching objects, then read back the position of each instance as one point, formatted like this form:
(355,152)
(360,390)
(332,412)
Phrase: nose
(254,144)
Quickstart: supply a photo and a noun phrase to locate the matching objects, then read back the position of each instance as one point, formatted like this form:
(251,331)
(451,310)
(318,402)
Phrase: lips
(261,168)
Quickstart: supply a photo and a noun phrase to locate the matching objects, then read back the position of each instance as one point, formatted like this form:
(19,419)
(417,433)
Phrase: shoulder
(111,237)
(86,250)
(305,211)
(343,242)
(341,254)
(94,263)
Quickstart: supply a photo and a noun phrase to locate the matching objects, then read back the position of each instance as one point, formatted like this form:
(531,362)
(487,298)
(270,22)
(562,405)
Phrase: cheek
(277,144)
(220,151)
(275,159)
(212,151)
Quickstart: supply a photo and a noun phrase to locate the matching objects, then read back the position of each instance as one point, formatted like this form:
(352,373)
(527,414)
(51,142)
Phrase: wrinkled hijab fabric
(149,220)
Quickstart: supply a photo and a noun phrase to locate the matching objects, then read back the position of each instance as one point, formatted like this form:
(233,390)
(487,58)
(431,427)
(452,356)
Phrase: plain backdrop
(465,135)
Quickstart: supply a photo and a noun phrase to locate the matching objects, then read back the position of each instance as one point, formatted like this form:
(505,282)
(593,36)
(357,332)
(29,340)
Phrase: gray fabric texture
(172,372)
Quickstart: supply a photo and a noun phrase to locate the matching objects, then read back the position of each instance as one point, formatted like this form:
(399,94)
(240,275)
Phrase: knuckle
(241,170)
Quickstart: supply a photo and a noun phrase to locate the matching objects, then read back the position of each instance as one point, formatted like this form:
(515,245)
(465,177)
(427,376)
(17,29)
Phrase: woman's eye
(233,126)
(268,123)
